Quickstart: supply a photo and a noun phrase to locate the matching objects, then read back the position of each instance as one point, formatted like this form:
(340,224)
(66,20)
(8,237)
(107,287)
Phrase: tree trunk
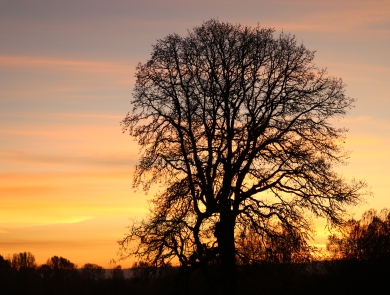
(225,237)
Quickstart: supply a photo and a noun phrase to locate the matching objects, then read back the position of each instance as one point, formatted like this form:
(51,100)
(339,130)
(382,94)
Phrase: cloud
(14,191)
(64,115)
(71,196)
(83,16)
(368,71)
(365,127)
(112,160)
(23,217)
(65,64)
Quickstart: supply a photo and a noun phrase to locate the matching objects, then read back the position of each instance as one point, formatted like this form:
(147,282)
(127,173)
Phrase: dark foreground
(326,277)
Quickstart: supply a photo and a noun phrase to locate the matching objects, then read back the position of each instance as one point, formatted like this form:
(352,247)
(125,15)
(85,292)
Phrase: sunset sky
(66,78)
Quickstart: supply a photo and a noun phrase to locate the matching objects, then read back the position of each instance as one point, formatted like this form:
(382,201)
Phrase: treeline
(358,260)
(21,275)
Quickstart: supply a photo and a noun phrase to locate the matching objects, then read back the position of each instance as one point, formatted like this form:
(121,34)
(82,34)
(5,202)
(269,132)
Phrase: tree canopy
(235,125)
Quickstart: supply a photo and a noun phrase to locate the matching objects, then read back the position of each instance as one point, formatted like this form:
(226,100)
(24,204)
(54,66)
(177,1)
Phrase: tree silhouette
(6,275)
(24,267)
(21,261)
(117,273)
(5,265)
(60,263)
(92,272)
(364,239)
(93,277)
(62,272)
(235,125)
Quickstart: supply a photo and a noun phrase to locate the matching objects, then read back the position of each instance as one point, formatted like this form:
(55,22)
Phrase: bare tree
(235,124)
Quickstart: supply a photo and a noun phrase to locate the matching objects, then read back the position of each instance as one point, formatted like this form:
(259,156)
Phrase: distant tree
(236,125)
(6,275)
(5,264)
(118,283)
(60,263)
(45,271)
(142,270)
(364,239)
(117,273)
(24,260)
(63,271)
(25,276)
(93,279)
(92,272)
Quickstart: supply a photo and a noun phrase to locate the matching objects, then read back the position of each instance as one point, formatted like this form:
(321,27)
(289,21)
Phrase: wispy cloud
(57,115)
(64,64)
(68,159)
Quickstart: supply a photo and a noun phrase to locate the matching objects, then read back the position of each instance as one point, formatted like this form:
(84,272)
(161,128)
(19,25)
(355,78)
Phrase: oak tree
(235,125)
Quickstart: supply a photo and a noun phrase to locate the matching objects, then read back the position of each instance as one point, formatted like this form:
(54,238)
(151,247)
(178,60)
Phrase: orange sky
(66,77)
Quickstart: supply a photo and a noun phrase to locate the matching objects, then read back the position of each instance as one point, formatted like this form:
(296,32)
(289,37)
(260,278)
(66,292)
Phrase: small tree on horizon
(236,127)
